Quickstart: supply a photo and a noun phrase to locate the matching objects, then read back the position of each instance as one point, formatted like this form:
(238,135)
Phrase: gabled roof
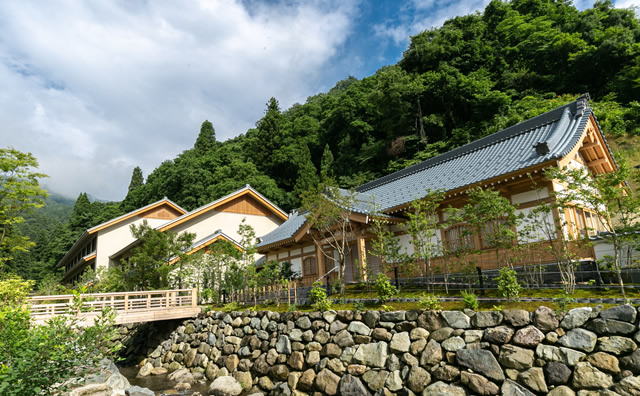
(501,153)
(206,241)
(285,232)
(85,235)
(246,190)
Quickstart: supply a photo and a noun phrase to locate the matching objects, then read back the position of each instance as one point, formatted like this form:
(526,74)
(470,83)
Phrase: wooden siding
(245,205)
(164,212)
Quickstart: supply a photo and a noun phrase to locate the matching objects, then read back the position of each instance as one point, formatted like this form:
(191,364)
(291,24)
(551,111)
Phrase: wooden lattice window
(460,237)
(309,266)
(488,237)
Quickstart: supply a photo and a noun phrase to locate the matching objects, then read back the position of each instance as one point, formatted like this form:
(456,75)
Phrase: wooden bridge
(131,307)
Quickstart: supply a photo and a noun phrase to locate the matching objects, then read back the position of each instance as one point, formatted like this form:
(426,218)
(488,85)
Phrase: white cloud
(93,89)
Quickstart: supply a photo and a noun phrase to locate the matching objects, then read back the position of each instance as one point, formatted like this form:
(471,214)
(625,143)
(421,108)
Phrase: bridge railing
(43,307)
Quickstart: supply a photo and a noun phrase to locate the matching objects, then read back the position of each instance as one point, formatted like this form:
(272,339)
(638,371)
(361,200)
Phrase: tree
(206,140)
(20,192)
(82,214)
(326,164)
(423,226)
(148,266)
(328,215)
(248,243)
(608,196)
(137,180)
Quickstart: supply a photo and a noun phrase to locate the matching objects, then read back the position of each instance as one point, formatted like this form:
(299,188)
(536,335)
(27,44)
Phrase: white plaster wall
(538,224)
(114,238)
(309,249)
(603,248)
(529,196)
(296,265)
(208,223)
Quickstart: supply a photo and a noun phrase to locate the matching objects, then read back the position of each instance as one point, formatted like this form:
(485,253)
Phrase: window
(309,266)
(460,237)
(488,236)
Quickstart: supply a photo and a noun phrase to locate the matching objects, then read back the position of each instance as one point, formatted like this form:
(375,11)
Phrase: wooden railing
(130,307)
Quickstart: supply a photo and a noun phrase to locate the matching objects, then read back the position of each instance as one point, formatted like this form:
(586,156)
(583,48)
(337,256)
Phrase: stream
(159,383)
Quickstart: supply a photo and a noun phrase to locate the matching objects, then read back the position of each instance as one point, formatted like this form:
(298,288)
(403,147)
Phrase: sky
(93,89)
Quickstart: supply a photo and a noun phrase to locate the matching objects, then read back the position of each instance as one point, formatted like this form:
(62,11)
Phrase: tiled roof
(285,231)
(503,152)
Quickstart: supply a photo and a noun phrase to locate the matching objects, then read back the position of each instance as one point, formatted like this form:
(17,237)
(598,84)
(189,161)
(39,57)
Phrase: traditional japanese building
(104,245)
(511,161)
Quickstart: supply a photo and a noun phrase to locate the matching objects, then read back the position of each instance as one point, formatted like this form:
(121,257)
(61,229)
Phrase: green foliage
(206,138)
(292,307)
(562,303)
(232,306)
(430,303)
(20,192)
(38,359)
(318,297)
(359,306)
(14,290)
(508,284)
(469,299)
(384,289)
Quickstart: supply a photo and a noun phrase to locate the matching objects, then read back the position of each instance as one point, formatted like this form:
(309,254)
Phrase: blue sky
(95,88)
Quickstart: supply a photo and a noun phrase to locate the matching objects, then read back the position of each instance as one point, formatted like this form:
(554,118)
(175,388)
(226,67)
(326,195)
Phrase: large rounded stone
(606,327)
(580,339)
(306,380)
(441,334)
(616,345)
(515,357)
(303,322)
(529,336)
(225,386)
(359,328)
(373,355)
(432,354)
(279,372)
(480,361)
(604,362)
(443,389)
(585,376)
(400,342)
(557,373)
(351,386)
(453,344)
(510,388)
(628,386)
(296,361)
(561,391)
(534,380)
(554,354)
(343,339)
(545,319)
(327,382)
(418,379)
(283,345)
(456,319)
(517,317)
(624,313)
(498,335)
(632,362)
(484,319)
(576,317)
(145,370)
(375,379)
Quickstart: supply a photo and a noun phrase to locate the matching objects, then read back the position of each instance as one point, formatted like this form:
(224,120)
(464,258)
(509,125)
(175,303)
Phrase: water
(159,383)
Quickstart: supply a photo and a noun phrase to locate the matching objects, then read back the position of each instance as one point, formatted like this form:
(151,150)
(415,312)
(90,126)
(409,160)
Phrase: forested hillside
(473,76)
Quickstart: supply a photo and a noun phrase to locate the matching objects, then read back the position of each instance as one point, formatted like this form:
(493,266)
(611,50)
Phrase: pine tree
(82,215)
(326,163)
(206,138)
(137,179)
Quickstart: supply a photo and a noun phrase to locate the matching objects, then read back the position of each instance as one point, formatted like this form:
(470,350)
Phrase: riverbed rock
(443,389)
(327,382)
(480,361)
(528,336)
(534,380)
(624,313)
(352,386)
(225,386)
(557,373)
(576,317)
(484,319)
(374,355)
(616,345)
(604,362)
(456,319)
(511,388)
(585,376)
(515,357)
(581,339)
(545,319)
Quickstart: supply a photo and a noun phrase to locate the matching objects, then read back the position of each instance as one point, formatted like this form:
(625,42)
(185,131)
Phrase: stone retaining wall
(585,352)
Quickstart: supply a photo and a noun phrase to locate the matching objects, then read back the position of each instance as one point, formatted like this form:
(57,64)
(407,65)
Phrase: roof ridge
(486,141)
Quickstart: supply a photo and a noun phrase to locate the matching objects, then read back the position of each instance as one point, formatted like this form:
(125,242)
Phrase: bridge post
(194,297)
(126,302)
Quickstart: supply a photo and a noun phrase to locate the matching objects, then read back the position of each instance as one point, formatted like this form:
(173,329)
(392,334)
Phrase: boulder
(605,327)
(373,355)
(418,378)
(576,317)
(375,379)
(510,388)
(528,336)
(418,333)
(453,344)
(624,313)
(138,391)
(303,322)
(585,376)
(400,342)
(471,336)
(557,373)
(456,319)
(279,372)
(357,327)
(394,316)
(484,319)
(478,384)
(545,319)
(515,357)
(145,370)
(559,354)
(394,382)
(432,354)
(296,361)
(352,386)
(480,361)
(534,380)
(371,318)
(307,379)
(225,386)
(616,345)
(605,362)
(327,382)
(443,389)
(343,339)
(580,339)
(561,391)
(283,345)
(628,386)
(498,335)
(632,362)
(441,334)
(517,317)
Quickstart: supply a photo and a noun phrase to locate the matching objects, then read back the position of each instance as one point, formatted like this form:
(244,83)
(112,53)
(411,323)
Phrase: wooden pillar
(194,297)
(322,269)
(362,257)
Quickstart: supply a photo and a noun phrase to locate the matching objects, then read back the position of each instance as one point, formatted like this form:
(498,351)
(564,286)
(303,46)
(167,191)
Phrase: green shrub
(430,303)
(232,306)
(292,307)
(318,297)
(384,289)
(562,303)
(470,300)
(508,284)
(359,306)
